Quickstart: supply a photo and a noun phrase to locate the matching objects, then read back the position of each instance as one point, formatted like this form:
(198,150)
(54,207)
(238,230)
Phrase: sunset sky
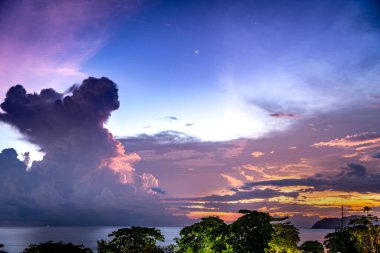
(207,107)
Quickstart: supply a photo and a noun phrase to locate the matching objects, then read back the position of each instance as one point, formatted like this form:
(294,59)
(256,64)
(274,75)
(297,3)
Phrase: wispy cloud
(44,44)
(362,139)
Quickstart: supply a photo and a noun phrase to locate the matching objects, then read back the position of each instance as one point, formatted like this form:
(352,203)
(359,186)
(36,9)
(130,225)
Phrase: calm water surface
(16,239)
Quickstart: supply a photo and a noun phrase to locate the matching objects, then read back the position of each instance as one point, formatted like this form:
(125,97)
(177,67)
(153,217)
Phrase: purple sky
(208,107)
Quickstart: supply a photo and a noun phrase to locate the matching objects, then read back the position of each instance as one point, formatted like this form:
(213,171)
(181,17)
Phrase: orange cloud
(226,216)
(351,140)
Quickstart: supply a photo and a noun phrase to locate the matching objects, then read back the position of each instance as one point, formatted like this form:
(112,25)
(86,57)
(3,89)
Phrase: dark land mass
(332,223)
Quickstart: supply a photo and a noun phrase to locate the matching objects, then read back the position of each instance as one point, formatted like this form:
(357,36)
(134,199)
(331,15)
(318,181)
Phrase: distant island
(332,223)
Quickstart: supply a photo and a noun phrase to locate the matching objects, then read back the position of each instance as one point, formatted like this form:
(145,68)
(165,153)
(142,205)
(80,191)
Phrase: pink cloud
(232,181)
(257,154)
(351,140)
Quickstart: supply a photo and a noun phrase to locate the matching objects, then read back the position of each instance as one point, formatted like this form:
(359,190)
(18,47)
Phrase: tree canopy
(207,236)
(252,232)
(133,240)
(362,235)
(285,238)
(56,247)
(312,247)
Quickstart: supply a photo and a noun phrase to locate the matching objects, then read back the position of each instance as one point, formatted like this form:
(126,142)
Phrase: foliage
(362,235)
(254,232)
(366,234)
(251,233)
(172,248)
(105,246)
(56,247)
(367,209)
(312,247)
(284,238)
(207,236)
(133,240)
(340,241)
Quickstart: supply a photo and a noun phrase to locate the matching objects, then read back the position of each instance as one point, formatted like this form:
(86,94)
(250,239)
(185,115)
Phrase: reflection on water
(16,239)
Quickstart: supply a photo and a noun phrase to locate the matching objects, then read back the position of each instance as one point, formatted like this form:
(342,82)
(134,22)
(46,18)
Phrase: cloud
(257,154)
(352,140)
(171,118)
(86,176)
(354,169)
(232,181)
(158,190)
(351,178)
(304,181)
(283,115)
(308,78)
(61,37)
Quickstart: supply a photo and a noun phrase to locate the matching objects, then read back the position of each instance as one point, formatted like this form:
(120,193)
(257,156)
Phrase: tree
(105,246)
(132,240)
(366,233)
(171,248)
(367,209)
(207,236)
(312,247)
(251,233)
(56,247)
(285,238)
(340,241)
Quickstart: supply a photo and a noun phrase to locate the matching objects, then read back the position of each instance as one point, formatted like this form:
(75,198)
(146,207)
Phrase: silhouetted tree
(340,241)
(105,246)
(56,247)
(132,240)
(251,233)
(312,247)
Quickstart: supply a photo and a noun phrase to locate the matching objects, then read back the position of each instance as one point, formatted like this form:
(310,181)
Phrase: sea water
(15,239)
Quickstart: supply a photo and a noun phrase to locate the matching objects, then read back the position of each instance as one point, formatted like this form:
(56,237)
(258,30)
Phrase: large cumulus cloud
(86,176)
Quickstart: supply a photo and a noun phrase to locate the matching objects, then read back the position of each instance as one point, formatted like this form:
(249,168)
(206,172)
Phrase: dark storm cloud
(85,176)
(56,122)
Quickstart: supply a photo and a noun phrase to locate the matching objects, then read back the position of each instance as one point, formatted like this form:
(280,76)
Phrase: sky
(159,112)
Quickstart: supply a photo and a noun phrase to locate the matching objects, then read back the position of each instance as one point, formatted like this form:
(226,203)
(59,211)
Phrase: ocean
(15,239)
